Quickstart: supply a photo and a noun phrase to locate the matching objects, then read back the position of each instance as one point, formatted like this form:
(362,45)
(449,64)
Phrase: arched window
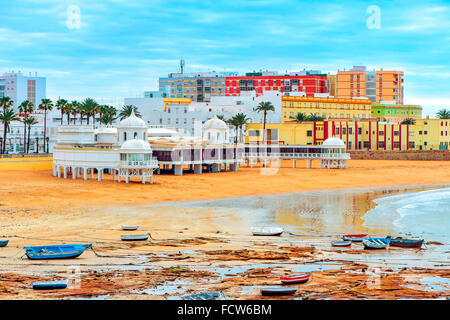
(135,135)
(124,136)
(218,136)
(209,135)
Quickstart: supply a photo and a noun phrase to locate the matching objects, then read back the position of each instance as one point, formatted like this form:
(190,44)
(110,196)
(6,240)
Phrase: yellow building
(369,134)
(328,108)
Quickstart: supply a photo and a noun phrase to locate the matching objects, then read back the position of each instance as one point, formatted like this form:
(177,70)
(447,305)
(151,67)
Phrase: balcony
(139,163)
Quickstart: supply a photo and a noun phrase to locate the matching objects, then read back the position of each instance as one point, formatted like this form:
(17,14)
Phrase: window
(254,133)
(309,133)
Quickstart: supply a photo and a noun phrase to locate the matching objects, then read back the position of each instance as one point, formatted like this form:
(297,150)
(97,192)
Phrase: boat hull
(49,285)
(406,243)
(55,252)
(267,231)
(135,237)
(295,279)
(355,237)
(130,228)
(376,243)
(345,243)
(4,243)
(278,291)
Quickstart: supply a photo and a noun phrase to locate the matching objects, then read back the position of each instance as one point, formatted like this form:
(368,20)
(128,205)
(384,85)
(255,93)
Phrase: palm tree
(46,105)
(7,116)
(241,120)
(221,117)
(6,102)
(235,123)
(107,119)
(25,108)
(265,107)
(314,117)
(61,105)
(408,121)
(29,122)
(89,106)
(126,111)
(299,117)
(443,114)
(75,110)
(68,111)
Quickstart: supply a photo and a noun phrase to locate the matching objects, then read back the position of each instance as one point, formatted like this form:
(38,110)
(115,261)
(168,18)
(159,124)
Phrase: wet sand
(206,245)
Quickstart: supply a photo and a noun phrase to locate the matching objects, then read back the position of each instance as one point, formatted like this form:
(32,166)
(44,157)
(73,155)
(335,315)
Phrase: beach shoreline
(204,243)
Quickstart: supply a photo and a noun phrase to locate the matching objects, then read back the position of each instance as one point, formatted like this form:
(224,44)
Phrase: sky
(119,48)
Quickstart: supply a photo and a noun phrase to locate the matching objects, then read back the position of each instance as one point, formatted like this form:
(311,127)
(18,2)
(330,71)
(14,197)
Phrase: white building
(20,87)
(188,118)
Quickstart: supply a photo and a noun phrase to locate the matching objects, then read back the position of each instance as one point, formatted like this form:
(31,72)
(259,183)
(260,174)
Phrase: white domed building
(216,131)
(123,152)
(334,154)
(132,127)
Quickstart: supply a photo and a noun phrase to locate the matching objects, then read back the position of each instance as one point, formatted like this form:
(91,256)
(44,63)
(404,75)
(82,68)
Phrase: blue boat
(65,251)
(50,285)
(3,243)
(376,243)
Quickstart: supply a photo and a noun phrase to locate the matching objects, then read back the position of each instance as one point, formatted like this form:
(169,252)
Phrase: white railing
(262,155)
(139,163)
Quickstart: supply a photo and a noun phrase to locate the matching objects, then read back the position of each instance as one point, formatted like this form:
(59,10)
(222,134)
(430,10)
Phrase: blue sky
(123,46)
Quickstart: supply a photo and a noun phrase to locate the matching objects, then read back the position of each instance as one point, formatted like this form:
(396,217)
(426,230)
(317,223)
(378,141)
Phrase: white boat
(130,228)
(267,231)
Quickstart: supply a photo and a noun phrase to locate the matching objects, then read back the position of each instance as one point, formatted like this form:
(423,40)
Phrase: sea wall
(401,155)
(26,163)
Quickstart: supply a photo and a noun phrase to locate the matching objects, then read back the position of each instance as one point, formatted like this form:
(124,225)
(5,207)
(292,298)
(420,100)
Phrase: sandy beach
(206,245)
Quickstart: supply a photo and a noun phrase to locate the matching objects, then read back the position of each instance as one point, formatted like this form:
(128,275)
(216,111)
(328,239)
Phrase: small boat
(296,278)
(355,237)
(65,251)
(130,228)
(344,243)
(205,296)
(4,243)
(50,285)
(135,237)
(267,231)
(406,243)
(278,291)
(376,243)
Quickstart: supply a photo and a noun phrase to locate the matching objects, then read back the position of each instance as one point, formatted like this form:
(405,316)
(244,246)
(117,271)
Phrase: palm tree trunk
(24,136)
(62,115)
(68,118)
(45,129)
(4,137)
(28,142)
(264,129)
(88,116)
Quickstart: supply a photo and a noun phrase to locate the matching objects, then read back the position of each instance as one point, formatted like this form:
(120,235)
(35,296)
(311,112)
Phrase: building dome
(132,122)
(333,143)
(215,123)
(136,145)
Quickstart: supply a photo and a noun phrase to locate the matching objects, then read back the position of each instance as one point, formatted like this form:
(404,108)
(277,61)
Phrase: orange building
(379,86)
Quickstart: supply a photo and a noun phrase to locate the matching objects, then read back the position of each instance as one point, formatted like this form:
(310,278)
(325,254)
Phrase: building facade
(379,86)
(187,117)
(396,113)
(20,88)
(327,108)
(199,86)
(310,84)
(369,134)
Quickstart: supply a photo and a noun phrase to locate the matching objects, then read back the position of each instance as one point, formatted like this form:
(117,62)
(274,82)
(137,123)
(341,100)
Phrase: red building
(310,84)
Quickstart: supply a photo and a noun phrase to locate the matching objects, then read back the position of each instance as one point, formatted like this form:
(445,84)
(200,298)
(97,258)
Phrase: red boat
(298,278)
(355,237)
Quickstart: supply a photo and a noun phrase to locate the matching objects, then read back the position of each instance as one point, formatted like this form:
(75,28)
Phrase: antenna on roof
(181,66)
